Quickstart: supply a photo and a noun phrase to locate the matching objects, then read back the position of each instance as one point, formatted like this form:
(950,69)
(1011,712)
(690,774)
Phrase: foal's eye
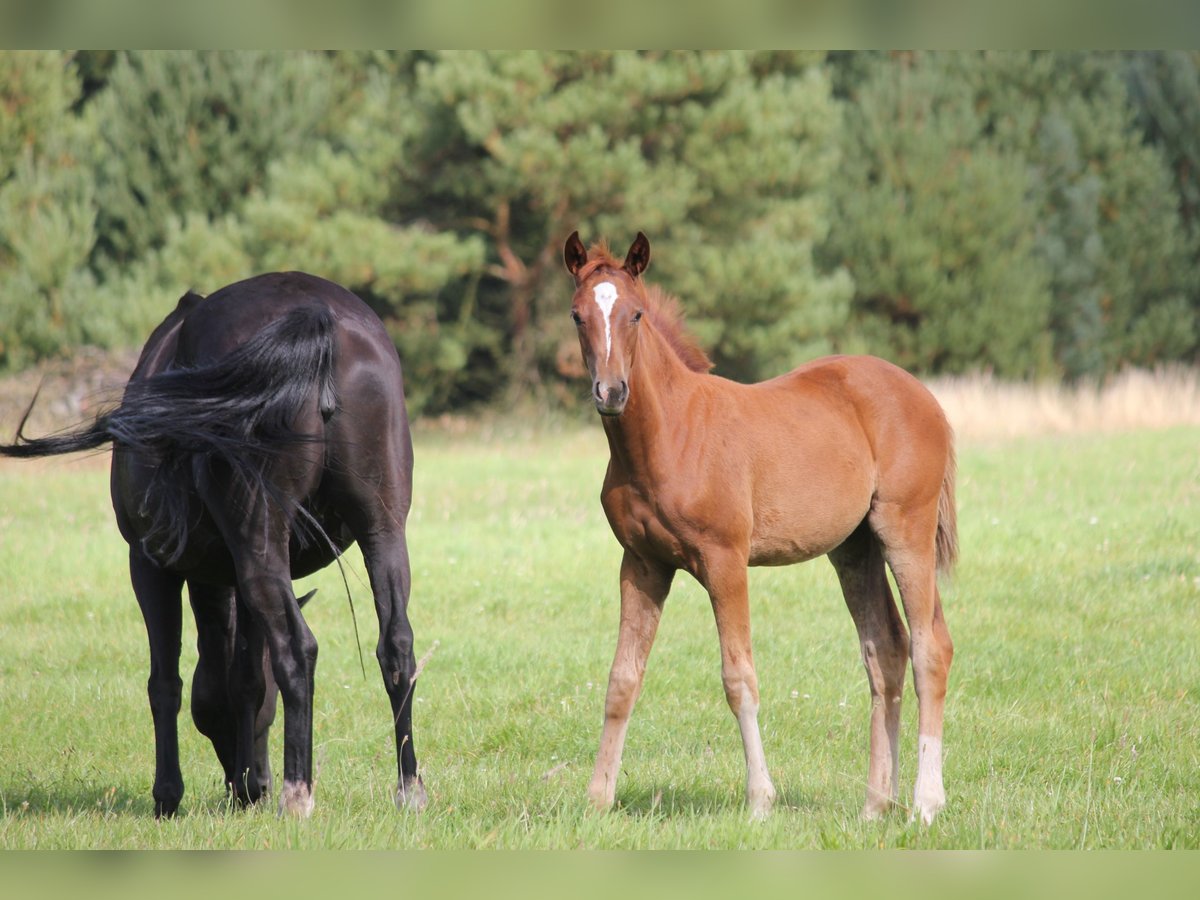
(575,318)
(637,317)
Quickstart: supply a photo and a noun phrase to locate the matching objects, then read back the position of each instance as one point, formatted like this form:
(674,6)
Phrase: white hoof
(296,799)
(410,795)
(927,807)
(760,802)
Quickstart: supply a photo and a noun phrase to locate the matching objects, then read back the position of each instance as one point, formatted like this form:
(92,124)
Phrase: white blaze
(606,296)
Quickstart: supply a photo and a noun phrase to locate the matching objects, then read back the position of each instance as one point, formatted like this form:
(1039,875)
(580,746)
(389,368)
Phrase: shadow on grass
(702,800)
(88,800)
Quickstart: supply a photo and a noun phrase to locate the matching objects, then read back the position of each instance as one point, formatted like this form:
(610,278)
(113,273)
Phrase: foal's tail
(239,410)
(947,526)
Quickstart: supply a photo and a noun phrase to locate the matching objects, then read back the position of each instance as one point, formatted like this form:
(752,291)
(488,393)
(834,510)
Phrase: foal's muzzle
(610,397)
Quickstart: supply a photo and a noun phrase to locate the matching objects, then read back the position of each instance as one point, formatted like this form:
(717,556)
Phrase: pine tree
(1112,207)
(47,211)
(1165,89)
(330,206)
(720,157)
(1101,241)
(192,132)
(936,226)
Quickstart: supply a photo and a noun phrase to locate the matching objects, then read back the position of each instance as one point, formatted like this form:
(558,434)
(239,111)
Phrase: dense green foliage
(1024,213)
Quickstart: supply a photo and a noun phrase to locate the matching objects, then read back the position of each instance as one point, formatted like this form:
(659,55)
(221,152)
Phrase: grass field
(1073,718)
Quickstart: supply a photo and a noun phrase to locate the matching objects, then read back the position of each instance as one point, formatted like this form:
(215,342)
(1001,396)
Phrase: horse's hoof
(760,802)
(876,806)
(296,799)
(166,801)
(601,800)
(927,804)
(926,811)
(410,794)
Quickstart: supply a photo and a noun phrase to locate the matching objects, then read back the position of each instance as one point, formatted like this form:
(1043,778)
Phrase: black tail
(243,405)
(238,411)
(95,435)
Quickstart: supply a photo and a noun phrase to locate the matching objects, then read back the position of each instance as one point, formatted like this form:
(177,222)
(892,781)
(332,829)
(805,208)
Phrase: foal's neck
(659,384)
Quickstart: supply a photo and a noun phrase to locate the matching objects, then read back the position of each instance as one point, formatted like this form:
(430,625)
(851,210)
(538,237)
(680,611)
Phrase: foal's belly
(784,550)
(806,521)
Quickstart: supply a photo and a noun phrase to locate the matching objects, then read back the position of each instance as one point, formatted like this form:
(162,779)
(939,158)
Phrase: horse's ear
(638,257)
(574,254)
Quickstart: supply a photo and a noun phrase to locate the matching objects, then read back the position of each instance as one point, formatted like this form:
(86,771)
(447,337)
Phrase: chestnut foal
(849,457)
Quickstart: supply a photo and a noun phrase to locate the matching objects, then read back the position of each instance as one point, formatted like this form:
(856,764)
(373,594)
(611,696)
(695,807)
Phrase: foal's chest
(646,527)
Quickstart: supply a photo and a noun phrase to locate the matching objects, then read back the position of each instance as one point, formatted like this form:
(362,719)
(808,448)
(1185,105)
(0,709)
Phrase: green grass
(1073,718)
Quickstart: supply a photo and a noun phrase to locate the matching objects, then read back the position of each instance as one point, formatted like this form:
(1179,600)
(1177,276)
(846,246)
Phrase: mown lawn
(1073,718)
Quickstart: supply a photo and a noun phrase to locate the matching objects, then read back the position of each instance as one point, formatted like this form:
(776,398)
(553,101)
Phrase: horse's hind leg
(908,538)
(386,556)
(264,717)
(159,594)
(884,643)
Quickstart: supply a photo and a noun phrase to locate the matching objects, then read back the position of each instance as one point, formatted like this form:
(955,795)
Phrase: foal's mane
(662,309)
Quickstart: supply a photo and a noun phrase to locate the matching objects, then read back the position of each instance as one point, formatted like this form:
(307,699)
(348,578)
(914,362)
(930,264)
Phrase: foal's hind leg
(908,537)
(884,642)
(160,595)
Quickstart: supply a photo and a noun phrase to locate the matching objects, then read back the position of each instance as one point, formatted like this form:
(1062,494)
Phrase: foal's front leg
(644,588)
(726,581)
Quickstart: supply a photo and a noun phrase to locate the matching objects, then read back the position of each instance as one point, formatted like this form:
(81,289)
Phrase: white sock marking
(606,295)
(929,760)
(928,795)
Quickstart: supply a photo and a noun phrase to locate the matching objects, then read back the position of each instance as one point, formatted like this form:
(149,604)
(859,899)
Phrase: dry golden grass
(980,407)
(984,408)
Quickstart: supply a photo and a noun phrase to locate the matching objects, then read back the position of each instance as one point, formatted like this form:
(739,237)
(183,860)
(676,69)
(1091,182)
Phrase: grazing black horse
(261,433)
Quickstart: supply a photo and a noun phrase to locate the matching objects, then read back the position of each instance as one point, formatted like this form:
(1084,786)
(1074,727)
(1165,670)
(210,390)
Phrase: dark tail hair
(238,411)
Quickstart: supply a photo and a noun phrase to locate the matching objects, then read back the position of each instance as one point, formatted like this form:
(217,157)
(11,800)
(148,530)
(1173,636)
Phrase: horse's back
(231,315)
(362,428)
(888,402)
(832,435)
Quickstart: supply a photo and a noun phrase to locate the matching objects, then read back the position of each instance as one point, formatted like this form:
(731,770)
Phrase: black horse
(262,432)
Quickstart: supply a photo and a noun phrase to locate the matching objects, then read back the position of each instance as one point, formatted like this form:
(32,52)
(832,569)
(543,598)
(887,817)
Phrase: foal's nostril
(610,396)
